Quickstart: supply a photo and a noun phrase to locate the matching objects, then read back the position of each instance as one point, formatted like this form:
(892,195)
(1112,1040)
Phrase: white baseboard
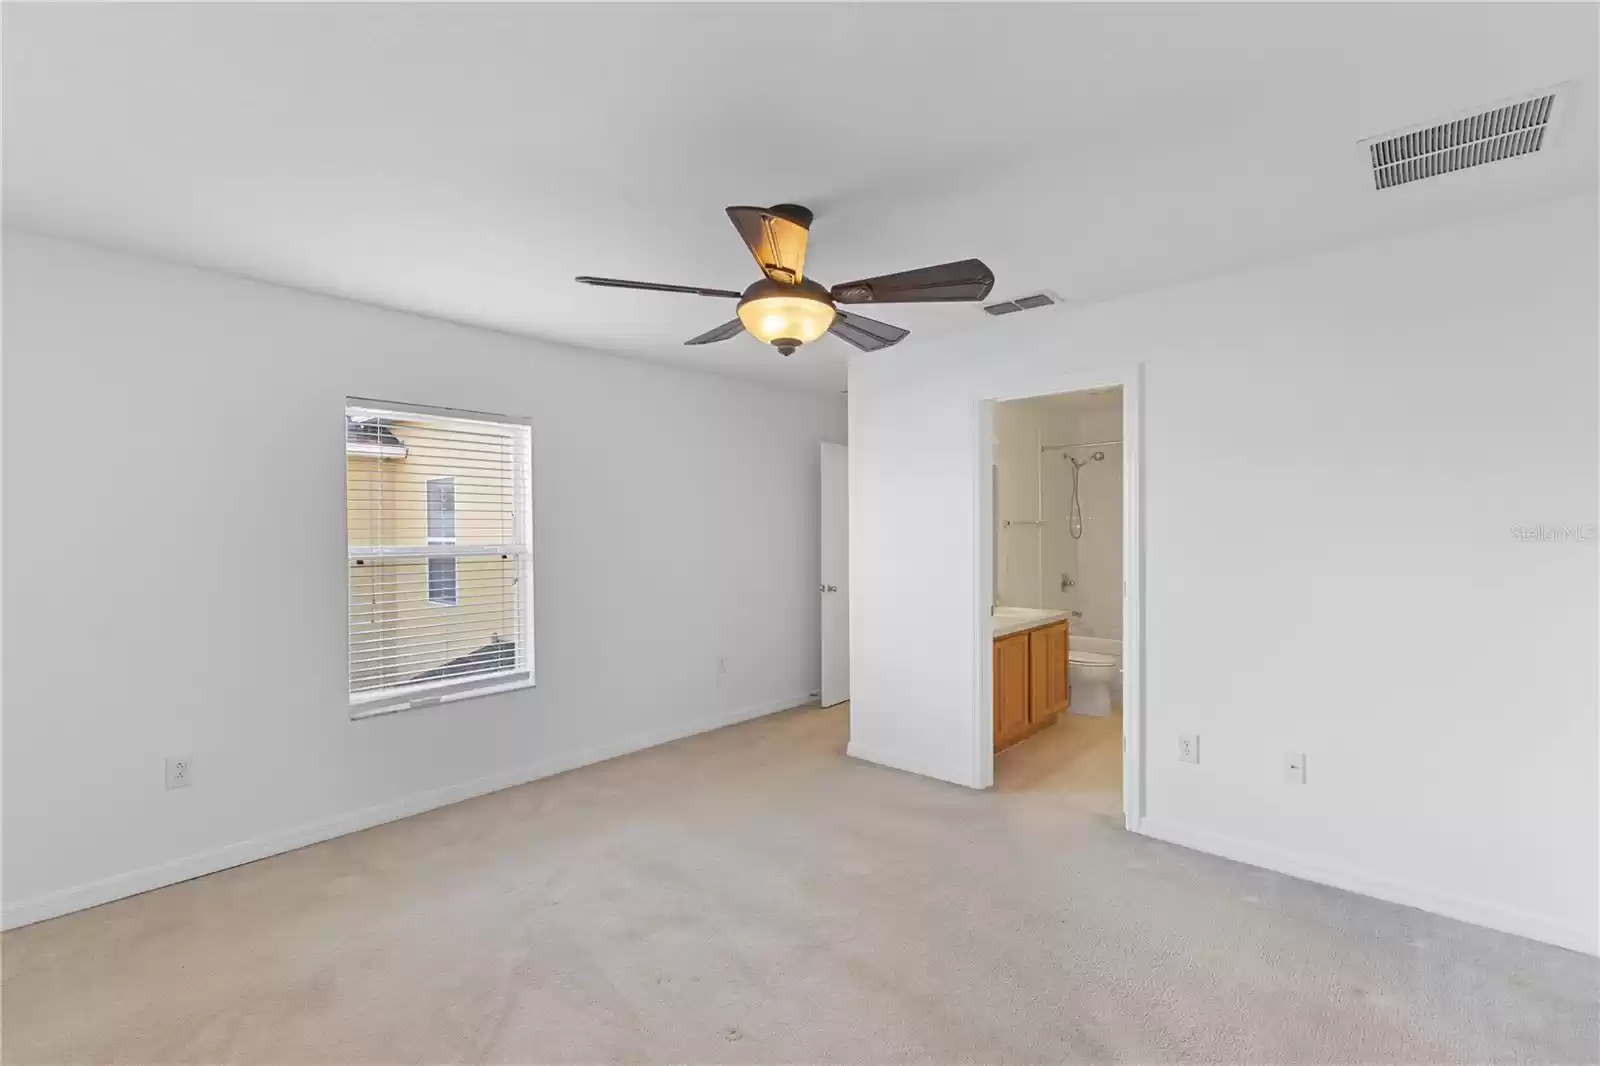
(1448,904)
(94,893)
(897,761)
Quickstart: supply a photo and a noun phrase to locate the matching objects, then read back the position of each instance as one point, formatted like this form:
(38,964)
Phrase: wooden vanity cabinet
(1056,677)
(1030,682)
(1012,689)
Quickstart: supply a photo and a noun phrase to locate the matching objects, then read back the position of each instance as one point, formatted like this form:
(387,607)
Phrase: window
(442,530)
(442,589)
(439,534)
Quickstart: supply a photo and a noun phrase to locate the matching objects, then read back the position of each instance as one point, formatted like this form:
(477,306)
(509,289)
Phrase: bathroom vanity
(1030,671)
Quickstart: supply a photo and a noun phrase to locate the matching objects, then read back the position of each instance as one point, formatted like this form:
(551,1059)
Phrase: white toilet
(1091,674)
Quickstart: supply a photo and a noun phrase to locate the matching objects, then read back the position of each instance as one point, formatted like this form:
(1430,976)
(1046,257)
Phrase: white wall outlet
(180,771)
(1189,749)
(1294,767)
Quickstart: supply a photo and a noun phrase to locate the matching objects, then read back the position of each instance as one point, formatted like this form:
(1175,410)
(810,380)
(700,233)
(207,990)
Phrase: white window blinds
(439,520)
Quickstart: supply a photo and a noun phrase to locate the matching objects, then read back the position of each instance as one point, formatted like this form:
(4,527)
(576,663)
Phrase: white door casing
(834,589)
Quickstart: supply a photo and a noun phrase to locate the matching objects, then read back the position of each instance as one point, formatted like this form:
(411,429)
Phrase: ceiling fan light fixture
(786,316)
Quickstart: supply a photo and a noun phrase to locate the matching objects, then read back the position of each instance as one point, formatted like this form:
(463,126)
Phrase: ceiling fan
(787,309)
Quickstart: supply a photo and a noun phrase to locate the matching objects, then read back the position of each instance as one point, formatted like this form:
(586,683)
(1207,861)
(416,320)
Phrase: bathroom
(1058,544)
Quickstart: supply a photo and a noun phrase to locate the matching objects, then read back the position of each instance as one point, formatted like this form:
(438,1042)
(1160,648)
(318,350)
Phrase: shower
(1075,510)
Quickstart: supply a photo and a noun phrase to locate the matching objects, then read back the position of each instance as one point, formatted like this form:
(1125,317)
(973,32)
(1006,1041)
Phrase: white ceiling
(466,160)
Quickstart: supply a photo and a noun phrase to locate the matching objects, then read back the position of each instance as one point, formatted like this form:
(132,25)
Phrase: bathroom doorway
(1060,617)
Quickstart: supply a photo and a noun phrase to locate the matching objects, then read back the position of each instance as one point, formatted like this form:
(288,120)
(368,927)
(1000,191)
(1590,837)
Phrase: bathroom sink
(1020,614)
(1005,620)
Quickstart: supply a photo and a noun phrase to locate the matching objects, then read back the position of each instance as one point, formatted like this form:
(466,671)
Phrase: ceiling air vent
(1517,128)
(1022,303)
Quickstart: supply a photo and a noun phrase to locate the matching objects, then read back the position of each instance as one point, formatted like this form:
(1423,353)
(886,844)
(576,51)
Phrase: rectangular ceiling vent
(1022,303)
(1520,127)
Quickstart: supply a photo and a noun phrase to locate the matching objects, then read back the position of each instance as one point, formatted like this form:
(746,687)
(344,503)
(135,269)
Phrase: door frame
(1130,378)
(822,592)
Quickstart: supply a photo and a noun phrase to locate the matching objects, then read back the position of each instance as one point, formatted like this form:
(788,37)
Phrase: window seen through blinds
(439,583)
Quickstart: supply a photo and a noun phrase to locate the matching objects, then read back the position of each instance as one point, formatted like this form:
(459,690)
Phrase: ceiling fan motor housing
(800,216)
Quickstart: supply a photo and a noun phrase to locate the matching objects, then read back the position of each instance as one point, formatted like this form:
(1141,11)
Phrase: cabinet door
(1010,688)
(1057,647)
(1041,692)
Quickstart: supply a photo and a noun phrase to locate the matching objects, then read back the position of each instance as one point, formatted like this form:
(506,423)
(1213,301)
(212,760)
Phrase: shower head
(1097,456)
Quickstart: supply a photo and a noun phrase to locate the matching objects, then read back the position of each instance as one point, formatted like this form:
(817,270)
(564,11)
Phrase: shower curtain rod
(1091,444)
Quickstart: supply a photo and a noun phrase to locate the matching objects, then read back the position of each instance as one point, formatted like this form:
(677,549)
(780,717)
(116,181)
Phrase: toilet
(1091,674)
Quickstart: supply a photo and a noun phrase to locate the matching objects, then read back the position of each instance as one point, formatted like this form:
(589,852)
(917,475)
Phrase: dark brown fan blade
(651,286)
(865,333)
(777,237)
(968,279)
(721,333)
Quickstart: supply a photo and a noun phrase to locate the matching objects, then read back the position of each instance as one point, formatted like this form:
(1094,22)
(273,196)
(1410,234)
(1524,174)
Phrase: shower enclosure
(1080,535)
(1061,548)
(1058,508)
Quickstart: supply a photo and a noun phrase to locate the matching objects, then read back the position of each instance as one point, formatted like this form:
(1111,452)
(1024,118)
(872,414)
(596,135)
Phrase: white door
(835,587)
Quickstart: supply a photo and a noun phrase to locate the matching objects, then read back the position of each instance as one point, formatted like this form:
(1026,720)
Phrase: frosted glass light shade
(796,319)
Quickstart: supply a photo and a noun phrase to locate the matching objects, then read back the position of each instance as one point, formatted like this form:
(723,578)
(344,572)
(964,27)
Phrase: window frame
(375,702)
(455,570)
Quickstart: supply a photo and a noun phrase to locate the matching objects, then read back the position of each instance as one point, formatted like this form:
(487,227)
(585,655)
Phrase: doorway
(1059,581)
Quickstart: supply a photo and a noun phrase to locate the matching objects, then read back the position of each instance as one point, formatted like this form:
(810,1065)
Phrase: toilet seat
(1090,658)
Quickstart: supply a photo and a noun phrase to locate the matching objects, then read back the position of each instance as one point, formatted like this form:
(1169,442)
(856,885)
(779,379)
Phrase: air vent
(1520,127)
(1022,303)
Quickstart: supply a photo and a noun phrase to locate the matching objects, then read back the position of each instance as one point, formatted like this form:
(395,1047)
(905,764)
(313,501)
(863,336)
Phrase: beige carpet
(754,896)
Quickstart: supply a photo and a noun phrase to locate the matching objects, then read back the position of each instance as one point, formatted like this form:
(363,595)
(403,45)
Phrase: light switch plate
(1294,767)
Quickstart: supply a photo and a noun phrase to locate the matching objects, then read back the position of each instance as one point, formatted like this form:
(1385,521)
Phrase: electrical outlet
(1189,749)
(1294,767)
(180,771)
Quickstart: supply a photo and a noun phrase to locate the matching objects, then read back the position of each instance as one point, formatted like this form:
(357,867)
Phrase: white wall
(1335,453)
(175,566)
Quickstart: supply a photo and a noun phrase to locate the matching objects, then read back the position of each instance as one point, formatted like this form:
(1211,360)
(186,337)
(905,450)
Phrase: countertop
(1008,620)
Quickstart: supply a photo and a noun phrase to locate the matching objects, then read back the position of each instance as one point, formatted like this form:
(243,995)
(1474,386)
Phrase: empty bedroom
(775,533)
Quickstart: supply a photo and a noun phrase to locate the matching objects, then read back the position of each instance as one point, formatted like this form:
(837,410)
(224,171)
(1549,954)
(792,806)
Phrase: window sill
(422,701)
